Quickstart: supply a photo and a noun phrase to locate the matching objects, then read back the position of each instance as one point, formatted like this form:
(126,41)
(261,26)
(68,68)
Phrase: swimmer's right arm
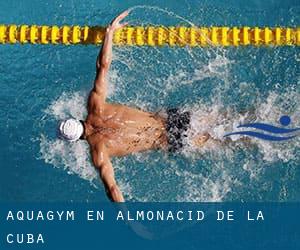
(103,164)
(105,56)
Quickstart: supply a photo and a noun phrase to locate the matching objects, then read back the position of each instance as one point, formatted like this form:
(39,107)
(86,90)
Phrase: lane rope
(152,35)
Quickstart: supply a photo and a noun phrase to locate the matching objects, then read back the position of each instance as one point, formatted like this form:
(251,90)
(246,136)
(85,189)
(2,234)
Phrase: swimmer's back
(126,130)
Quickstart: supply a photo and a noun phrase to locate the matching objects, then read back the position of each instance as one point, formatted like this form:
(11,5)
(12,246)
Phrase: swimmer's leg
(203,138)
(200,140)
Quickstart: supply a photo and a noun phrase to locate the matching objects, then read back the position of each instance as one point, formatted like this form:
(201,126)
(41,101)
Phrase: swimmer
(114,130)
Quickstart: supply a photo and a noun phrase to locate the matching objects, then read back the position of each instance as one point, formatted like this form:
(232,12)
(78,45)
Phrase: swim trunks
(177,125)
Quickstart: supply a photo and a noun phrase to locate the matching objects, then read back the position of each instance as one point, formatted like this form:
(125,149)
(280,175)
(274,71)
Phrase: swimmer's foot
(200,140)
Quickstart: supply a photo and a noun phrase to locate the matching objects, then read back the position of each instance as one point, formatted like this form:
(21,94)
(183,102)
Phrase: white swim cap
(70,130)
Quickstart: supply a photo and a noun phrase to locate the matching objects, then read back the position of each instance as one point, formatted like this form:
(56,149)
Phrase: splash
(192,185)
(68,105)
(217,120)
(74,157)
(217,86)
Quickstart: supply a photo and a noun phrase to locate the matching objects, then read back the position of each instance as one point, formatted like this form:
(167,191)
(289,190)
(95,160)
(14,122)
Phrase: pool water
(43,84)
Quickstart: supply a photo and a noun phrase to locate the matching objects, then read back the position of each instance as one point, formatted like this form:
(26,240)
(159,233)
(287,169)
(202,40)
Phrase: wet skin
(118,130)
(113,129)
(123,130)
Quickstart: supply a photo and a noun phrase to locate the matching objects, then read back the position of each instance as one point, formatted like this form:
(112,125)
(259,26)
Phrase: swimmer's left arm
(105,56)
(103,164)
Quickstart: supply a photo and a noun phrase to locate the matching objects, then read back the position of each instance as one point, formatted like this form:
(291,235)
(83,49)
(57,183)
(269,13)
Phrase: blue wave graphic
(262,136)
(269,128)
(284,121)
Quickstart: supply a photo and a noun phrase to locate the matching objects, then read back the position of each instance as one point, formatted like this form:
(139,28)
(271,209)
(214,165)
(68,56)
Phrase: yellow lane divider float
(152,36)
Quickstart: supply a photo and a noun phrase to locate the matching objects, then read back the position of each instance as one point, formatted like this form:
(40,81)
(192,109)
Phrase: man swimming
(117,130)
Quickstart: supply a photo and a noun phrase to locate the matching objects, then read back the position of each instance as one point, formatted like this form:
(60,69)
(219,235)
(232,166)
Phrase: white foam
(174,182)
(216,121)
(271,110)
(214,118)
(72,157)
(68,105)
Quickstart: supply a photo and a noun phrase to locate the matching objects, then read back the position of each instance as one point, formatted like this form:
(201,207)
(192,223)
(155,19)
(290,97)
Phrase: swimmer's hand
(115,24)
(105,57)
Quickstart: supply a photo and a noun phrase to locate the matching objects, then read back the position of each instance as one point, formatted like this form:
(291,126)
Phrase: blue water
(42,84)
